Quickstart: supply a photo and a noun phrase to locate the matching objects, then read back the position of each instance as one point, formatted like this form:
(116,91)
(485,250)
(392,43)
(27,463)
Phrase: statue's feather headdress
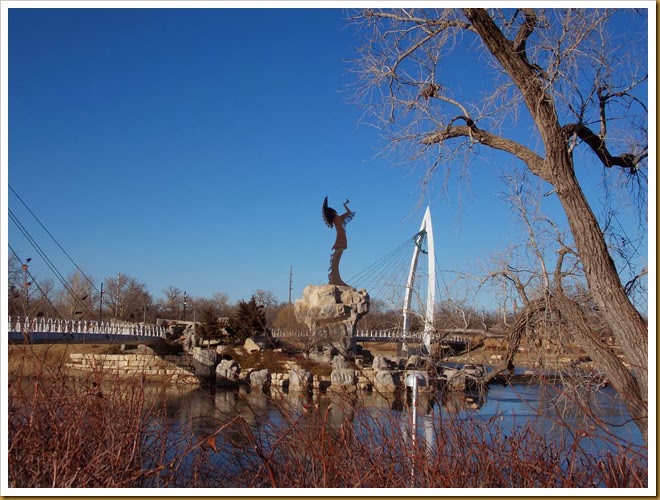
(328,213)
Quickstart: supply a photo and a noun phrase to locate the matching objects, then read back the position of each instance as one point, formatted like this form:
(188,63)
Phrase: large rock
(226,373)
(251,346)
(343,379)
(339,361)
(380,363)
(259,380)
(331,313)
(424,382)
(204,362)
(385,381)
(323,355)
(191,342)
(205,356)
(300,380)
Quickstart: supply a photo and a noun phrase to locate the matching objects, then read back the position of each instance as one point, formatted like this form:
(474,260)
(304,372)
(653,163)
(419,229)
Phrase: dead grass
(270,360)
(31,359)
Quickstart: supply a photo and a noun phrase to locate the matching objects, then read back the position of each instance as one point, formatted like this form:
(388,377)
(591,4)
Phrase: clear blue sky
(193,148)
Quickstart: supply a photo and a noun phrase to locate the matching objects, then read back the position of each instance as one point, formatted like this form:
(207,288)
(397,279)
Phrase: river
(251,420)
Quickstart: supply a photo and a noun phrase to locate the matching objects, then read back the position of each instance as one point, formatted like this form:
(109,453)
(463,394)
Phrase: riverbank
(31,360)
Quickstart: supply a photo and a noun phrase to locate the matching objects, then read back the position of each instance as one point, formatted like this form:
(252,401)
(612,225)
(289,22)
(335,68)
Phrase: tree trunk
(624,321)
(618,375)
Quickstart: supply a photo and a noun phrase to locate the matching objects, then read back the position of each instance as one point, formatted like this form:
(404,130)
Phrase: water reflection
(254,419)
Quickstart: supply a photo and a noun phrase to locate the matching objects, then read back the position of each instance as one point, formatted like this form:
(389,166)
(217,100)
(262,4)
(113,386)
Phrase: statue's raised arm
(333,219)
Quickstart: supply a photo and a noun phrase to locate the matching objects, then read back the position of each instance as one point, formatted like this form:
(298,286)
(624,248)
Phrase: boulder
(322,355)
(300,380)
(414,362)
(204,362)
(464,379)
(251,346)
(226,373)
(339,361)
(457,381)
(205,356)
(259,379)
(474,371)
(343,379)
(380,363)
(385,381)
(331,313)
(191,342)
(424,384)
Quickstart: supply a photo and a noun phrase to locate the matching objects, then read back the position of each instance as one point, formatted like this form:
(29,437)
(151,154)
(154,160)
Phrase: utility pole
(290,282)
(101,305)
(185,295)
(117,298)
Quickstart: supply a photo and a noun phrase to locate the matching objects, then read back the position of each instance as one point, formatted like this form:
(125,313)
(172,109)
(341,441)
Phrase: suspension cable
(37,284)
(48,262)
(53,238)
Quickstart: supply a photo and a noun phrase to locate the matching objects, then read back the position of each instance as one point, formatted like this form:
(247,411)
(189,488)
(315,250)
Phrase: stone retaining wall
(177,369)
(180,369)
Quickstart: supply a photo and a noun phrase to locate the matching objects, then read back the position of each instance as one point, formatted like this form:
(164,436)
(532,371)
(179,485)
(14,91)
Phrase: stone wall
(177,369)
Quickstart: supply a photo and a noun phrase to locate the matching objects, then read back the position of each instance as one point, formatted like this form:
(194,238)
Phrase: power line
(36,283)
(53,238)
(48,262)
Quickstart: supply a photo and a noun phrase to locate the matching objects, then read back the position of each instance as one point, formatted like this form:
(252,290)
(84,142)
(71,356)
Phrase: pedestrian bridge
(55,329)
(59,330)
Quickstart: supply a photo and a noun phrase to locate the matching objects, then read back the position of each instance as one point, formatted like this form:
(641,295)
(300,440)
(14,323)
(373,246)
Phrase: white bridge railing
(80,326)
(384,335)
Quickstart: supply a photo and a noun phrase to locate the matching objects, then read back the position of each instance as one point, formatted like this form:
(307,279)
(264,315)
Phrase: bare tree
(575,76)
(170,307)
(128,299)
(28,295)
(221,303)
(267,300)
(75,298)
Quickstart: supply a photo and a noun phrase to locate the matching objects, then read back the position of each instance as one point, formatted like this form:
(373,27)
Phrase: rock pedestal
(331,313)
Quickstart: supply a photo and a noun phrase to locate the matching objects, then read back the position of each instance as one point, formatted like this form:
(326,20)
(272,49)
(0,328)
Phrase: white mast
(425,232)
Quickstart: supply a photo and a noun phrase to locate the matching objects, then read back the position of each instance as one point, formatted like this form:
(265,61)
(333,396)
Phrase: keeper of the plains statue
(333,219)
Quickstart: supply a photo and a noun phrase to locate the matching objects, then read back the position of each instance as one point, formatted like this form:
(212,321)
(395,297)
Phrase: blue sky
(193,148)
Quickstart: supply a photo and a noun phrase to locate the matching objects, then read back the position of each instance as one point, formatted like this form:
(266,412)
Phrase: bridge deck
(45,330)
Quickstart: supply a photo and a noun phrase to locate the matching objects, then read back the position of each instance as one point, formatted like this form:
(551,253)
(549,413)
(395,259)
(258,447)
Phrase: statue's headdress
(328,213)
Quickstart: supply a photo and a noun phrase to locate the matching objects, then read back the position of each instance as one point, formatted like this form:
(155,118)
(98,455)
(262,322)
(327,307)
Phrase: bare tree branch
(597,144)
(470,130)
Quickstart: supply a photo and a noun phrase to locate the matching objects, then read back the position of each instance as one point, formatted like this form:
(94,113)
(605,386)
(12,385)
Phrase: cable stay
(405,280)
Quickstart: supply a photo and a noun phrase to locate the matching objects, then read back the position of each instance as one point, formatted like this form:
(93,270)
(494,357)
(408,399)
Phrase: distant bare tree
(267,300)
(75,298)
(128,299)
(170,307)
(222,305)
(26,294)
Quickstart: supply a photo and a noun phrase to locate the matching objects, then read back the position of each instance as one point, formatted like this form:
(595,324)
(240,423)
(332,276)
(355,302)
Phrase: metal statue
(332,219)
